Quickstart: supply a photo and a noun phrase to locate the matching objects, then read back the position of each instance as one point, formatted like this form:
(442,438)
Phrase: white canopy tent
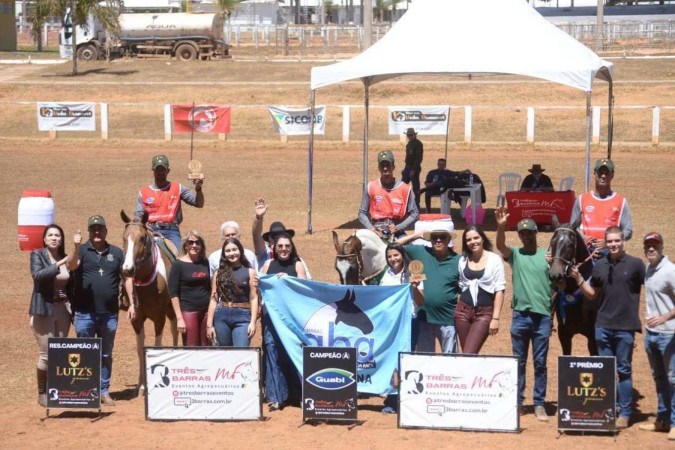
(469,37)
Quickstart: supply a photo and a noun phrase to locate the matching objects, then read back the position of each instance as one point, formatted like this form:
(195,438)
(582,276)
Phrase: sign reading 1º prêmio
(329,383)
(74,373)
(586,393)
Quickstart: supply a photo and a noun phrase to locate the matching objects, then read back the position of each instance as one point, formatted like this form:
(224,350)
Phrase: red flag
(203,118)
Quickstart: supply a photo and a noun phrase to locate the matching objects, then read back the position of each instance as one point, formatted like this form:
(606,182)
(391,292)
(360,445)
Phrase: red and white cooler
(36,211)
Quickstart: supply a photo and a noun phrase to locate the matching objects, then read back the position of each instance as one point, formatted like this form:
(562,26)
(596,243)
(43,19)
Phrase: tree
(226,6)
(79,11)
(380,7)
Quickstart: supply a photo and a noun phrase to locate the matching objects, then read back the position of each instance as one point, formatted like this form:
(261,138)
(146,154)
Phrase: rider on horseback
(388,207)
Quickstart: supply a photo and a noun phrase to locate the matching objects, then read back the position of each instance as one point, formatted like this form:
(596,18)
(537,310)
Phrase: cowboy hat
(536,168)
(410,132)
(277,228)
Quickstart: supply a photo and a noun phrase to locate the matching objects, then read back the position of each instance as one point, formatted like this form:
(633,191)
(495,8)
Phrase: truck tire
(186,52)
(87,53)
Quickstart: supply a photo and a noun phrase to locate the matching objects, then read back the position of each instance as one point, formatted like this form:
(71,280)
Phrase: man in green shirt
(531,303)
(436,318)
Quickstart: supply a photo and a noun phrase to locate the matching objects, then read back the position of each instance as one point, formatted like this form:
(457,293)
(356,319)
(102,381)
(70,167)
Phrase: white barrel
(431,222)
(36,211)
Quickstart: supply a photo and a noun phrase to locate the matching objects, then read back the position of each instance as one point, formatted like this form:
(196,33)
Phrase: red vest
(598,214)
(161,205)
(386,204)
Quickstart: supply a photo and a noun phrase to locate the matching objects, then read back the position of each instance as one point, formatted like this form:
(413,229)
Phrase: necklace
(99,260)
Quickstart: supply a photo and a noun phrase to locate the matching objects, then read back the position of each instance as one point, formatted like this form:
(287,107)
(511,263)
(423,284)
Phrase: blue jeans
(104,326)
(276,385)
(619,343)
(660,349)
(231,325)
(429,332)
(170,232)
(529,327)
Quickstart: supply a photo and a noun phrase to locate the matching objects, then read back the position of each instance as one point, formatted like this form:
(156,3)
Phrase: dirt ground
(89,176)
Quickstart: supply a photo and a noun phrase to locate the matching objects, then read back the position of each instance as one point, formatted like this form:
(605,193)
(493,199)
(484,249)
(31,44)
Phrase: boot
(42,387)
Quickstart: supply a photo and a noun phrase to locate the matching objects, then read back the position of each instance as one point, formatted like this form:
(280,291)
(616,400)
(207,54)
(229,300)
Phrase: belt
(160,224)
(234,305)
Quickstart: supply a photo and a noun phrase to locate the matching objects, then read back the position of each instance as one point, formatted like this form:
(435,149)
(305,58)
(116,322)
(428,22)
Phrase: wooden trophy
(195,168)
(416,269)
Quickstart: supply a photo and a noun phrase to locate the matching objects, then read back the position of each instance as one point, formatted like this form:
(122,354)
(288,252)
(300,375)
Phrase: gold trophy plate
(195,168)
(416,269)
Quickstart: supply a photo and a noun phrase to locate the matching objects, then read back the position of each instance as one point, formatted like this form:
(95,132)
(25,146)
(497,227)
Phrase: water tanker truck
(183,35)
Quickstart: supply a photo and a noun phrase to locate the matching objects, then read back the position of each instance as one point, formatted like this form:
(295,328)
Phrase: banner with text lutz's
(424,119)
(295,121)
(66,116)
(376,320)
(74,373)
(201,118)
(464,392)
(202,384)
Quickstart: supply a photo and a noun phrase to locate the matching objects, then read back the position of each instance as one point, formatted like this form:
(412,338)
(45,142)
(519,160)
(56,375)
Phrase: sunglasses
(284,246)
(191,242)
(439,237)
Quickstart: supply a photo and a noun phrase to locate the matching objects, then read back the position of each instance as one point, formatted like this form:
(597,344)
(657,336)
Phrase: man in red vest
(388,205)
(162,201)
(601,208)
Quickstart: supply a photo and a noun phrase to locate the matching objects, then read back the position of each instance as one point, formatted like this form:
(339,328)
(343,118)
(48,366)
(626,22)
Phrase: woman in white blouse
(482,283)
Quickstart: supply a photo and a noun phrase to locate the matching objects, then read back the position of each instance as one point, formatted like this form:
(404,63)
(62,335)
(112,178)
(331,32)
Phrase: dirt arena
(90,176)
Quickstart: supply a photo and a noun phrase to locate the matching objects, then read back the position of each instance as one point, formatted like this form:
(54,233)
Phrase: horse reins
(573,262)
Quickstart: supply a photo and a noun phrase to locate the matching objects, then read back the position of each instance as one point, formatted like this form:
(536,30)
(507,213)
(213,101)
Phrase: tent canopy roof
(472,37)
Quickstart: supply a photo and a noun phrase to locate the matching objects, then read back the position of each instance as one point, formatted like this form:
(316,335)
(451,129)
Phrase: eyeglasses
(191,242)
(284,246)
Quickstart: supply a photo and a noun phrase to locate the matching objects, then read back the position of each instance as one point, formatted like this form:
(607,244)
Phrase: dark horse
(576,315)
(149,268)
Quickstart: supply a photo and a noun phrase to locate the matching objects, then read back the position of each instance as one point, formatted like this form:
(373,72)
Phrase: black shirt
(97,280)
(414,153)
(277,266)
(620,281)
(190,282)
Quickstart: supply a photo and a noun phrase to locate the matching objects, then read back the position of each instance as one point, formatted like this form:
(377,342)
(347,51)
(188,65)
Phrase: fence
(338,40)
(468,124)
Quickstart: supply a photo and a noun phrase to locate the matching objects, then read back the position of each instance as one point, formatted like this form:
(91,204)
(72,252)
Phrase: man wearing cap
(414,153)
(436,317)
(536,181)
(595,211)
(660,333)
(616,282)
(531,303)
(263,243)
(95,307)
(162,201)
(388,207)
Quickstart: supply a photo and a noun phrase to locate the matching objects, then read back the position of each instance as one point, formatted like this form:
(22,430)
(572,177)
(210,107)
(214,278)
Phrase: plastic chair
(507,182)
(566,184)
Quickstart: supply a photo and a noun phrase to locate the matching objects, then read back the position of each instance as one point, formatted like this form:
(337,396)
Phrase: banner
(376,320)
(202,384)
(295,121)
(464,392)
(201,118)
(329,384)
(586,393)
(66,116)
(74,373)
(424,119)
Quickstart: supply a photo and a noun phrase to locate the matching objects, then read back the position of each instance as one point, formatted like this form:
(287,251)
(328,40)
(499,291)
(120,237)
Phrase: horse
(149,268)
(359,257)
(575,314)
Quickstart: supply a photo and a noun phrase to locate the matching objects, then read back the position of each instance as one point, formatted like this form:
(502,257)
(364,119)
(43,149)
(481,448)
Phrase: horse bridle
(359,263)
(568,263)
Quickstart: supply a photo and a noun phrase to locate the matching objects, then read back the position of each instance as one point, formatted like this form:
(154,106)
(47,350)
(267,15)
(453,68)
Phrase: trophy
(195,168)
(416,269)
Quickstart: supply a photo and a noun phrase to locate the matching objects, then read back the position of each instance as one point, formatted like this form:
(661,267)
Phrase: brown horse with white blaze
(149,268)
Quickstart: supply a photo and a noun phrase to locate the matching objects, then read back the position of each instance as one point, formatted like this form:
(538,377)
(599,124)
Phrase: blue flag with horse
(376,320)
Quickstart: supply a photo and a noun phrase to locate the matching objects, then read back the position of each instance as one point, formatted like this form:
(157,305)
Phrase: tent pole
(588,141)
(447,133)
(366,103)
(310,161)
(610,119)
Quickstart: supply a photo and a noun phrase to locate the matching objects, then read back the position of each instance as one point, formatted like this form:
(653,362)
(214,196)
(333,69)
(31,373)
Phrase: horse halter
(568,263)
(359,264)
(147,249)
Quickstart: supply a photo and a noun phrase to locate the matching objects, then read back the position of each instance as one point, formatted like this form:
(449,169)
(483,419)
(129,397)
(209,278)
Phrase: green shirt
(441,286)
(531,284)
